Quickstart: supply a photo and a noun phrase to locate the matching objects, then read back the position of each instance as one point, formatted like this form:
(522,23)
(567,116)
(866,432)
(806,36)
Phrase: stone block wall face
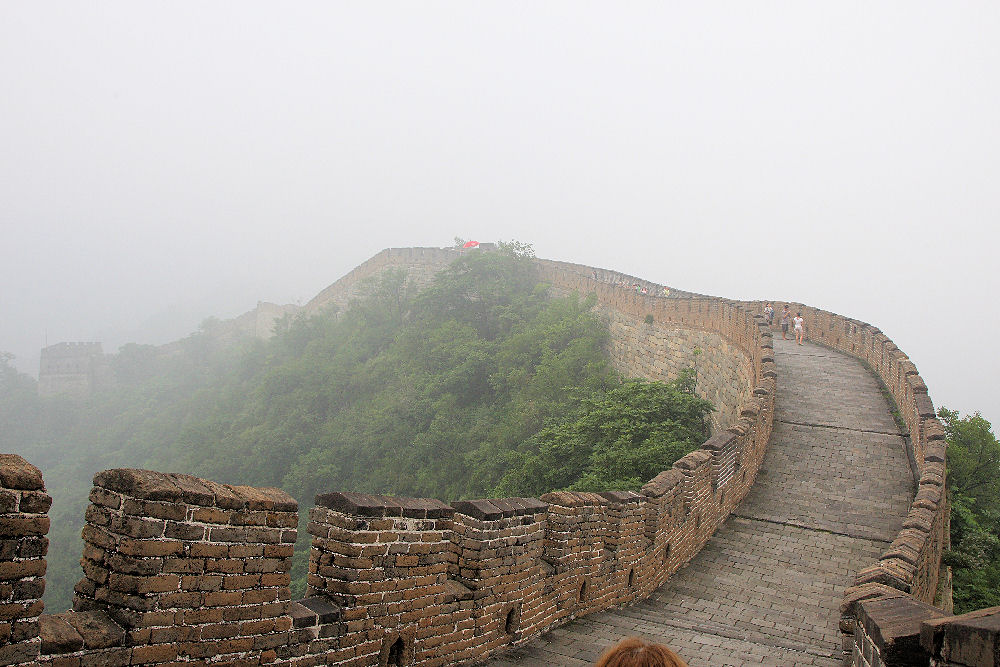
(266,316)
(655,351)
(24,524)
(186,568)
(730,356)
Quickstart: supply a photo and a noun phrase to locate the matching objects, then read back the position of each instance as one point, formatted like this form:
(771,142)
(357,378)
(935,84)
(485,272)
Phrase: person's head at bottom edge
(637,652)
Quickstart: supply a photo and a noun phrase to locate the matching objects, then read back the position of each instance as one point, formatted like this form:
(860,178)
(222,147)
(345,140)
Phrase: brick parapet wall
(616,279)
(177,568)
(415,581)
(24,524)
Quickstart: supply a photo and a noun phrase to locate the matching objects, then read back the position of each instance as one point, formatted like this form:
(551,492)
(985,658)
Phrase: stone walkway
(832,493)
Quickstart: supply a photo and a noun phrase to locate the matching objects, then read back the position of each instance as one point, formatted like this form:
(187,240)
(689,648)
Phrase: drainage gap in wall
(583,591)
(396,651)
(513,619)
(666,553)
(631,577)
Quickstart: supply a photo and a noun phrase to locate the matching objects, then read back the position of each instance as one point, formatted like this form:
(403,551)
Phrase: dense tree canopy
(481,384)
(614,440)
(974,494)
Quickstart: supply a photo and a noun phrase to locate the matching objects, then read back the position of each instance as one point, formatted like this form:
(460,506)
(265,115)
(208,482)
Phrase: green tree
(974,495)
(615,440)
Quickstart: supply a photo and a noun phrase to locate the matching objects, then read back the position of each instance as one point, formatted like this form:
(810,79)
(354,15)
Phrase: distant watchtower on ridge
(74,369)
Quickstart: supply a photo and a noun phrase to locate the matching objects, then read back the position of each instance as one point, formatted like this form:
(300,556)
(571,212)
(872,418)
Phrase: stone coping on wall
(891,628)
(498,508)
(374,505)
(16,474)
(179,488)
(968,639)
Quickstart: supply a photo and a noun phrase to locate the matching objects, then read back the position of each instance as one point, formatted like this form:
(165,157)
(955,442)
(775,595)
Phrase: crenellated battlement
(178,568)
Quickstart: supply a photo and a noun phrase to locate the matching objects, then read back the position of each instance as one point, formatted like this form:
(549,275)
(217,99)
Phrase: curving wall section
(180,569)
(656,337)
(911,563)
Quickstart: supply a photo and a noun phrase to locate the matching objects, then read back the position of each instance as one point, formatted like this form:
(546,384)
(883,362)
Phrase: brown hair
(637,652)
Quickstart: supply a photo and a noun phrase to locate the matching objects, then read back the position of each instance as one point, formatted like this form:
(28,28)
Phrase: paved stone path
(832,492)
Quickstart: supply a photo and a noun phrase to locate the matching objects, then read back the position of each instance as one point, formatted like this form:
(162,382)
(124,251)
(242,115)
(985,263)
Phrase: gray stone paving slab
(834,488)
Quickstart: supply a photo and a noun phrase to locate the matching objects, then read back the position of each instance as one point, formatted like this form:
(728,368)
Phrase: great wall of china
(180,570)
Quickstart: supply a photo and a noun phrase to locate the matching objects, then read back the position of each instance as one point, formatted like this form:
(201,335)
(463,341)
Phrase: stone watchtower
(75,369)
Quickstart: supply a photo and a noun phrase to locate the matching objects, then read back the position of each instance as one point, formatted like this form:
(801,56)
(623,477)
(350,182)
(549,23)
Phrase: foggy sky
(164,162)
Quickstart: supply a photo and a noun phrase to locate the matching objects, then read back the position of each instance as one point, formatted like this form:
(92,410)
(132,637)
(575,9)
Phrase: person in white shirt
(797,320)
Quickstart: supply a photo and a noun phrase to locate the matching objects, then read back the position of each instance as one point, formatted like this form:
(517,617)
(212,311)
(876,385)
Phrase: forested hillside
(480,385)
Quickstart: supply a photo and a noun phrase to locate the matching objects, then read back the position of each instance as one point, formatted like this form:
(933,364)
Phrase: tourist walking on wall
(637,652)
(786,317)
(798,328)
(769,314)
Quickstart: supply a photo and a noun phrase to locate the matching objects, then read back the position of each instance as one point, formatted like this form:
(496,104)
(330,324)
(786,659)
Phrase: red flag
(471,244)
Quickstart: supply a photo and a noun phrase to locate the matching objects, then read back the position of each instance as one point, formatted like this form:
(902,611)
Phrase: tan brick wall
(24,524)
(188,569)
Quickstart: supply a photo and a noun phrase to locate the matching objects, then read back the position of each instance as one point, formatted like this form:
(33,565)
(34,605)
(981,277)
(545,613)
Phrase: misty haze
(446,252)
